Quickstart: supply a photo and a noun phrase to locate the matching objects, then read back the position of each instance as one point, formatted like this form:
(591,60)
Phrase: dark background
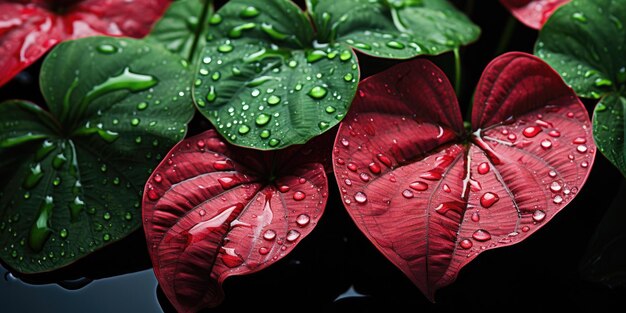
(543,273)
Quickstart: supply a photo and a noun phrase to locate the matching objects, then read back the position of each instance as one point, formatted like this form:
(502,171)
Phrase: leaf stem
(507,33)
(201,23)
(457,72)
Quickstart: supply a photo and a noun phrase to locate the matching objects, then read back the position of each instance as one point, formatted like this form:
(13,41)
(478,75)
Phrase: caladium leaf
(398,29)
(183,27)
(533,13)
(262,83)
(28,29)
(430,196)
(72,177)
(212,210)
(584,41)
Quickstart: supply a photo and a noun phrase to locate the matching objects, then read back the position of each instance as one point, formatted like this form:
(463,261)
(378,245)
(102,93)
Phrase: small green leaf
(393,29)
(609,131)
(584,41)
(72,178)
(183,27)
(269,86)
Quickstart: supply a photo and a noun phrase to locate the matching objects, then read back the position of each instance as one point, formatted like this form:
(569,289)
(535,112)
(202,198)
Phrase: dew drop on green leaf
(396,45)
(345,55)
(106,216)
(128,216)
(107,49)
(272,32)
(265,134)
(244,129)
(58,161)
(134,121)
(216,76)
(323,125)
(363,46)
(273,100)
(249,12)
(225,48)
(317,92)
(578,16)
(313,56)
(601,82)
(106,237)
(237,31)
(142,106)
(215,19)
(212,95)
(262,119)
(348,77)
(56,181)
(274,142)
(330,109)
(33,177)
(40,230)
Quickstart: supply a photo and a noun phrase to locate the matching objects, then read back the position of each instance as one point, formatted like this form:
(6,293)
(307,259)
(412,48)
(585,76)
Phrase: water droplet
(40,230)
(107,49)
(58,161)
(579,140)
(584,164)
(243,129)
(272,32)
(578,16)
(249,12)
(539,215)
(603,82)
(554,133)
(557,199)
(360,197)
(273,142)
(215,19)
(407,193)
(431,175)
(582,149)
(265,134)
(446,188)
(418,185)
(475,217)
(317,92)
(345,55)
(364,177)
(323,125)
(106,237)
(374,168)
(292,235)
(466,244)
(269,234)
(525,228)
(264,250)
(352,167)
(488,199)
(511,137)
(216,76)
(329,109)
(126,80)
(362,46)
(552,173)
(237,31)
(546,144)
(481,235)
(262,119)
(303,220)
(483,168)
(63,233)
(555,187)
(273,100)
(299,195)
(33,178)
(128,216)
(348,77)
(153,195)
(134,121)
(225,48)
(222,165)
(531,131)
(227,182)
(395,45)
(142,106)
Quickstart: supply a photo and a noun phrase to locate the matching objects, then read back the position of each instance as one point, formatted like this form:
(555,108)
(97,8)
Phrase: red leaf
(533,13)
(30,28)
(441,197)
(212,210)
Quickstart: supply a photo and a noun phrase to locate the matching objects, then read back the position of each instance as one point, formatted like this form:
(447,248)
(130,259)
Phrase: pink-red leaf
(30,28)
(533,13)
(429,196)
(212,210)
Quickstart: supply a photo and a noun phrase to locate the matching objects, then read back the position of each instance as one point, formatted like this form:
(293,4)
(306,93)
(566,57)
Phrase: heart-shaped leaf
(398,29)
(431,197)
(183,27)
(584,41)
(28,29)
(533,13)
(212,210)
(72,178)
(263,85)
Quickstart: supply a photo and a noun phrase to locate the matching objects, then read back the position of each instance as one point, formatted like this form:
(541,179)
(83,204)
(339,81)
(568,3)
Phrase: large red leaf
(212,210)
(30,28)
(431,197)
(533,13)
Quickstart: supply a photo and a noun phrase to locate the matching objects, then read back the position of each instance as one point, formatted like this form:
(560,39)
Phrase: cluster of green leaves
(266,74)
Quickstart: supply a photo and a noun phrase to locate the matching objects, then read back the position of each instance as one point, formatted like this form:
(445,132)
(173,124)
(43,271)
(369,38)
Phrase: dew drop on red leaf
(481,235)
(419,185)
(488,199)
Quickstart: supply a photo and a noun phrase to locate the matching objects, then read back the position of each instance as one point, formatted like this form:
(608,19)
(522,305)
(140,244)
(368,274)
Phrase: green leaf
(262,83)
(609,131)
(183,27)
(72,179)
(399,29)
(584,41)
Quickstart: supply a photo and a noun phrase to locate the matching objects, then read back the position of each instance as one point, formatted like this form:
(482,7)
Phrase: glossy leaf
(28,29)
(183,27)
(584,41)
(533,13)
(263,85)
(72,177)
(430,196)
(398,29)
(212,210)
